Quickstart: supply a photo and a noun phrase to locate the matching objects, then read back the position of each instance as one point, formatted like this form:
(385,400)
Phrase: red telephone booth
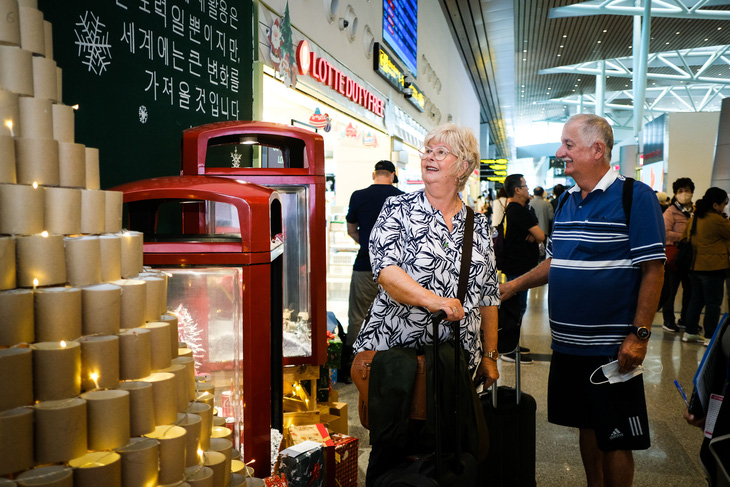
(220,242)
(291,161)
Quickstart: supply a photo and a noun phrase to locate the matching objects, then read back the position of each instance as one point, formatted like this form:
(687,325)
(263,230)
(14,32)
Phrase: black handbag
(685,257)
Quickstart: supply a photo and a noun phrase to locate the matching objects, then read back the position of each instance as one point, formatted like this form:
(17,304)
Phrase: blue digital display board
(400,30)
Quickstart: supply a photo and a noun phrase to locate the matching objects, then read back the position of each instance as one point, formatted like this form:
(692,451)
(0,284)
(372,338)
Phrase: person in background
(543,210)
(664,200)
(498,207)
(415,251)
(365,205)
(675,221)
(522,239)
(602,298)
(558,189)
(488,206)
(709,231)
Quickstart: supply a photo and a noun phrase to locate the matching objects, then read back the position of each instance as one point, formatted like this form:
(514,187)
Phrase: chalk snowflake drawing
(93,43)
(143,113)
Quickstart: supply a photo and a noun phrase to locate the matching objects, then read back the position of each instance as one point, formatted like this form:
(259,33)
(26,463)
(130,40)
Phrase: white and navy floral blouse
(412,235)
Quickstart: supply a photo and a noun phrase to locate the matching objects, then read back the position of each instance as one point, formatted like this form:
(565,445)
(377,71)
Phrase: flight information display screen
(400,30)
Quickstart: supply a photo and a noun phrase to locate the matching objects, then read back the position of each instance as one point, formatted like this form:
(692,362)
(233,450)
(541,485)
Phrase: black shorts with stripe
(617,412)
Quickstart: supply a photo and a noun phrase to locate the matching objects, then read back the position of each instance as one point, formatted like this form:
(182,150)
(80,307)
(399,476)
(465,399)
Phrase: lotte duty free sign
(319,69)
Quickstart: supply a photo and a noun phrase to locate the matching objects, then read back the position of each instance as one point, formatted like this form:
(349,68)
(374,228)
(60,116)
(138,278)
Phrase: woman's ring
(454,310)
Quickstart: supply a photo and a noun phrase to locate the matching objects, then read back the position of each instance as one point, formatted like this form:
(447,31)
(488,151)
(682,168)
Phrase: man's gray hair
(594,128)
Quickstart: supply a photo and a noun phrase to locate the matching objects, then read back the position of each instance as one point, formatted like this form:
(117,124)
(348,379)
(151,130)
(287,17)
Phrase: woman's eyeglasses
(439,153)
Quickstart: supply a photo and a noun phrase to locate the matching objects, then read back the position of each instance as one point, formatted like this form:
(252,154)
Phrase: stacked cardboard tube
(92,391)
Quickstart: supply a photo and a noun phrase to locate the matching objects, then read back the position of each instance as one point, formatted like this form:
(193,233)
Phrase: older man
(605,268)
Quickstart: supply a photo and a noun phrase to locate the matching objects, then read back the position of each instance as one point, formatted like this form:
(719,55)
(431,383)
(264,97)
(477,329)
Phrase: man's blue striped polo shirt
(595,270)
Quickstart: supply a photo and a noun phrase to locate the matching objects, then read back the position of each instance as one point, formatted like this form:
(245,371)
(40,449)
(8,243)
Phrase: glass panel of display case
(297,323)
(163,220)
(208,303)
(230,151)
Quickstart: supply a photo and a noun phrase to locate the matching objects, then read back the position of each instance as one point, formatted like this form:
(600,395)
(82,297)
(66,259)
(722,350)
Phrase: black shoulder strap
(562,201)
(466,254)
(628,198)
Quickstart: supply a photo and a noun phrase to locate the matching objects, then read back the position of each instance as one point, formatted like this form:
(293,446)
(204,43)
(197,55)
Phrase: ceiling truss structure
(684,9)
(686,66)
(693,77)
(547,48)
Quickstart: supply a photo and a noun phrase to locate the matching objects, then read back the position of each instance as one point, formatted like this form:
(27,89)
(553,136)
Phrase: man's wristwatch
(641,331)
(493,355)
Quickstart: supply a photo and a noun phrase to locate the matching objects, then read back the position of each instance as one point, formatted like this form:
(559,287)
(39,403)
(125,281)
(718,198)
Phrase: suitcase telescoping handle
(518,382)
(436,319)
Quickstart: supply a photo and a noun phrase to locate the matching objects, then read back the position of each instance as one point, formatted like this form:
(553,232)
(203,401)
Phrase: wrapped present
(334,352)
(303,465)
(342,461)
(310,432)
(275,481)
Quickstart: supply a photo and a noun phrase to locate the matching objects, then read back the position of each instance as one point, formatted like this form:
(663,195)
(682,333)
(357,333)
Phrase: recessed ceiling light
(524,50)
(573,90)
(677,32)
(576,86)
(564,36)
(599,42)
(605,30)
(561,47)
(719,28)
(578,79)
(667,43)
(558,55)
(524,59)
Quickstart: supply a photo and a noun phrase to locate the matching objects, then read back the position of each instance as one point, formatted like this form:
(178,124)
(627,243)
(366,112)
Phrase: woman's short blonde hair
(463,144)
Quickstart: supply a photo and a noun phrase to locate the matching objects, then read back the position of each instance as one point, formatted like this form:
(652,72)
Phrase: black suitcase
(510,417)
(436,469)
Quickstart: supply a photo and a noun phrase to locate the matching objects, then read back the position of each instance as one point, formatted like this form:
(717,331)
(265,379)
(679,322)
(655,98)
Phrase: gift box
(310,432)
(303,465)
(334,352)
(342,460)
(275,481)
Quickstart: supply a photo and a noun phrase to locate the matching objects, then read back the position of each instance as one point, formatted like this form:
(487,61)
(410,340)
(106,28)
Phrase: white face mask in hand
(613,376)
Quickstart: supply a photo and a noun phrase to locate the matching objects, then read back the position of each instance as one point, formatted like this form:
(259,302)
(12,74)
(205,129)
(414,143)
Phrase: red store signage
(324,72)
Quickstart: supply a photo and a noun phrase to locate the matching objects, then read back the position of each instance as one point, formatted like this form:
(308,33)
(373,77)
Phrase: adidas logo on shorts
(616,434)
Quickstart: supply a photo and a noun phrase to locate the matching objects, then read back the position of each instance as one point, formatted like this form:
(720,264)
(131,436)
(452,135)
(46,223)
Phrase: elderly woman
(415,249)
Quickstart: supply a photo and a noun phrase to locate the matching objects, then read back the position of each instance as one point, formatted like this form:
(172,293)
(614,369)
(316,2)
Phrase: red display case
(221,243)
(291,161)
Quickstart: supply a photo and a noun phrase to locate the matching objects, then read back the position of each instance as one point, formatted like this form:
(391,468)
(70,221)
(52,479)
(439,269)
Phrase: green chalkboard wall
(142,71)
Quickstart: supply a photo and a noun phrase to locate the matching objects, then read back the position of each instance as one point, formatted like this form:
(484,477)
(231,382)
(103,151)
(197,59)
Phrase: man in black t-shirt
(522,237)
(365,206)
